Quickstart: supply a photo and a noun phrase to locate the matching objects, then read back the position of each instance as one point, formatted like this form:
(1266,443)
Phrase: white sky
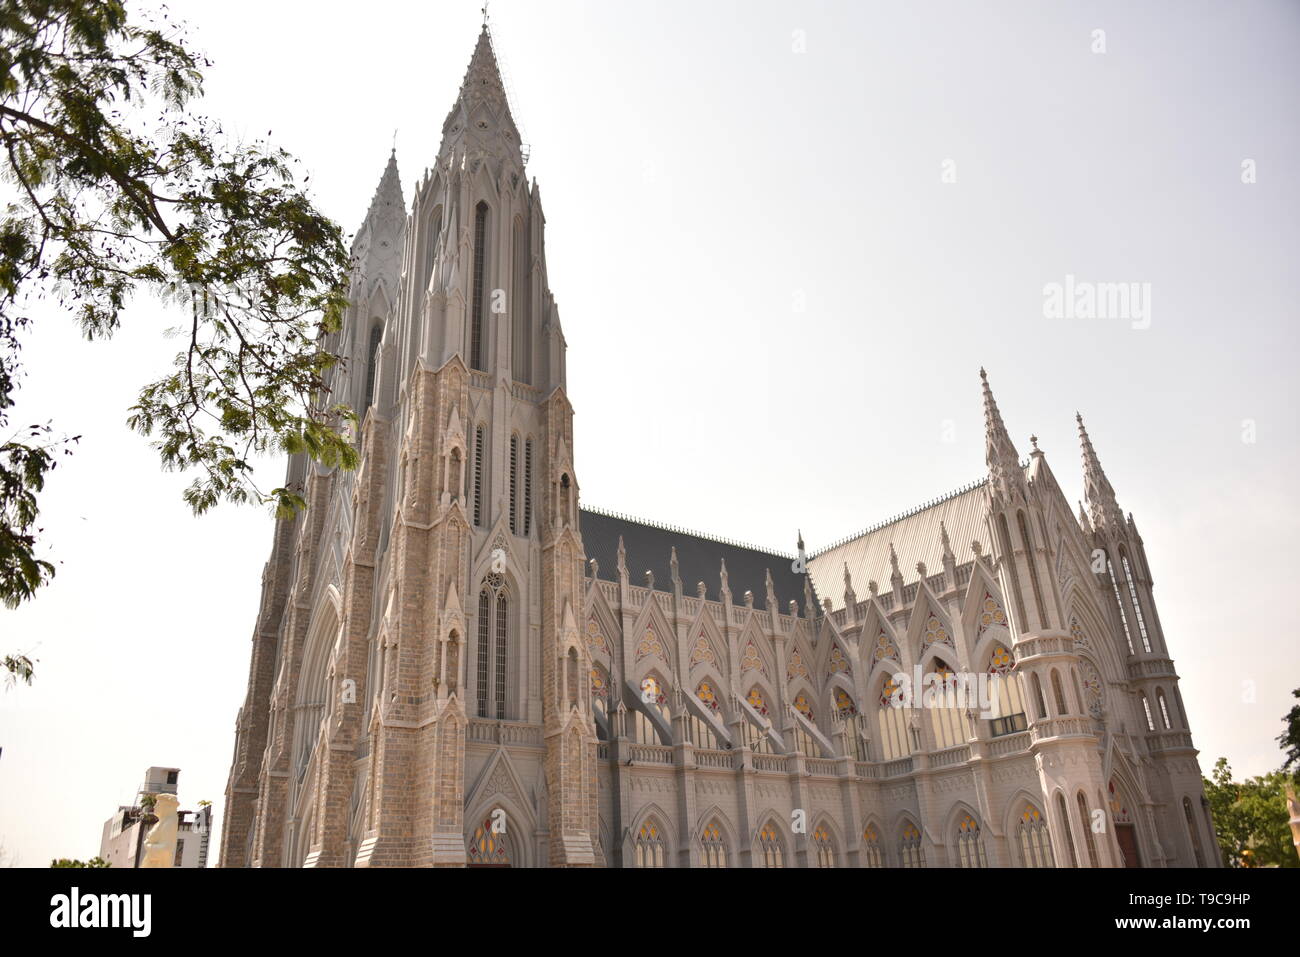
(698,178)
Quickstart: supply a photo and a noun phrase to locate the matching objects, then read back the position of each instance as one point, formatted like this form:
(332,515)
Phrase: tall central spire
(1006,479)
(480,122)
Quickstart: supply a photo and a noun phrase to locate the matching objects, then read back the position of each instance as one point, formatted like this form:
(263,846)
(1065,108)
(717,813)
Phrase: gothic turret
(1006,479)
(1107,517)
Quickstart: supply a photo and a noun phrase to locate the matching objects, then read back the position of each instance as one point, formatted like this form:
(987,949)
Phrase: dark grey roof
(699,559)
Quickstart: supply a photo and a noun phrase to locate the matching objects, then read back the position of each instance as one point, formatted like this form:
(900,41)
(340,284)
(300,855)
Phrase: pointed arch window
(372,369)
(479,305)
(521,351)
(770,849)
(854,726)
(871,853)
(1064,814)
(1193,833)
(895,742)
(649,845)
(528,486)
(970,845)
(1164,708)
(910,850)
(948,718)
(514,484)
(713,846)
(1137,605)
(1035,839)
(1119,603)
(1038,696)
(824,846)
(1085,819)
(1004,685)
(495,631)
(653,697)
(1059,694)
(479,442)
(1146,711)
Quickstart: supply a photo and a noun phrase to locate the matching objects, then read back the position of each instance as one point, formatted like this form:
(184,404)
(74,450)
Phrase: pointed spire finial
(1105,511)
(1006,479)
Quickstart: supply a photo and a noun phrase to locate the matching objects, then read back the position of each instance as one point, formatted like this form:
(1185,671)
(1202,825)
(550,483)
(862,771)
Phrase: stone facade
(452,665)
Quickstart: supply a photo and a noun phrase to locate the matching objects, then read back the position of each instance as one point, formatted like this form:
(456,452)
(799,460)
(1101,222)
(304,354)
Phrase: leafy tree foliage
(1251,818)
(69,862)
(115,187)
(1290,739)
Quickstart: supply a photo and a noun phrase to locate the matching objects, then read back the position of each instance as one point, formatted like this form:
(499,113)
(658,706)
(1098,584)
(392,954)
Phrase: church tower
(417,668)
(1023,505)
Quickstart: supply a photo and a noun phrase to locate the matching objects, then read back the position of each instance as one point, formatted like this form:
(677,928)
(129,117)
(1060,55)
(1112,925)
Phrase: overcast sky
(776,311)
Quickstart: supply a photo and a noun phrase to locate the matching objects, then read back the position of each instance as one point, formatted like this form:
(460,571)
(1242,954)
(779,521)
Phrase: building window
(478,475)
(479,304)
(1119,603)
(489,847)
(521,350)
(853,725)
(871,854)
(650,845)
(1035,840)
(494,632)
(770,850)
(514,484)
(372,370)
(1010,711)
(484,652)
(824,847)
(1146,710)
(970,846)
(528,486)
(1066,829)
(180,853)
(909,846)
(1193,833)
(1164,708)
(892,718)
(713,846)
(1137,605)
(1085,819)
(1059,693)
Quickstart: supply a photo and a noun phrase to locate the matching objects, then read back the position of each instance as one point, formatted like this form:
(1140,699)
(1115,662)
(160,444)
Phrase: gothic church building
(456,664)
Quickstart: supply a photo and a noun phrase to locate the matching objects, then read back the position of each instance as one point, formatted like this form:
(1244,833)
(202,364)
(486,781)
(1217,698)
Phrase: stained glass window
(1092,691)
(649,845)
(650,645)
(804,706)
(796,669)
(490,846)
(713,846)
(757,701)
(935,633)
(895,741)
(839,662)
(823,846)
(1035,839)
(1137,605)
(752,660)
(708,697)
(970,846)
(770,849)
(909,845)
(884,647)
(991,614)
(871,855)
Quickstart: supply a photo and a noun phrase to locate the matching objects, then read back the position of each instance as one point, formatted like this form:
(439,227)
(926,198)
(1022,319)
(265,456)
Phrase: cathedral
(457,664)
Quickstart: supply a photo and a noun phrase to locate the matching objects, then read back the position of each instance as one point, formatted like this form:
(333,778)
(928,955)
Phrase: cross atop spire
(1006,479)
(1106,514)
